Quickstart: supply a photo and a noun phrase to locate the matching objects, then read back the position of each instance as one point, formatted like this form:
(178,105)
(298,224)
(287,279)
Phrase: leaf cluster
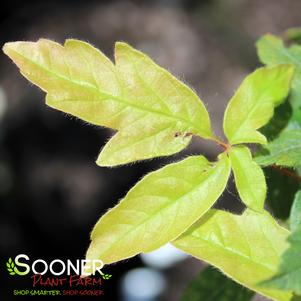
(154,114)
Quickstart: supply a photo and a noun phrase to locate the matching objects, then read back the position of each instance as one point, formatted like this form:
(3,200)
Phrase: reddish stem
(224,145)
(286,172)
(282,170)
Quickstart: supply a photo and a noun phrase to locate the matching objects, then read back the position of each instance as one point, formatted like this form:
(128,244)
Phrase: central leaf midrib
(232,252)
(110,96)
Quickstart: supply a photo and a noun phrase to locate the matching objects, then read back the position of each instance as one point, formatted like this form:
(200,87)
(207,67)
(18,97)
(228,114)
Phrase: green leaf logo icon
(10,265)
(106,276)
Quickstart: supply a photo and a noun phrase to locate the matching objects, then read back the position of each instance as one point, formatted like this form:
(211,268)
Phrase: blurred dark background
(51,191)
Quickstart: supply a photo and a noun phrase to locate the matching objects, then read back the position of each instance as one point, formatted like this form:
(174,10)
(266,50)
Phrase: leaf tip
(102,161)
(70,43)
(120,49)
(7,47)
(123,47)
(120,45)
(268,37)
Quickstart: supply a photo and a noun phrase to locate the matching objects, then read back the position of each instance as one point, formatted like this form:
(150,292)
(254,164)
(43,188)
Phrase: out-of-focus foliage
(281,192)
(289,273)
(295,216)
(293,35)
(285,149)
(279,121)
(211,284)
(284,130)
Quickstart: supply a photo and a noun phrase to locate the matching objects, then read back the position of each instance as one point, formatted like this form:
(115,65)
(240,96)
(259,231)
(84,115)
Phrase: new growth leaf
(159,208)
(154,113)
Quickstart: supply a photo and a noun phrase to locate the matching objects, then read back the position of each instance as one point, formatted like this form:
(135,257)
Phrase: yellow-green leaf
(249,177)
(246,247)
(252,106)
(159,208)
(155,113)
(143,140)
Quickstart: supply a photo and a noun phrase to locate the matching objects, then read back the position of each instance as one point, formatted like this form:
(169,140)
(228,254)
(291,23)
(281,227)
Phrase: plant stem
(224,145)
(286,172)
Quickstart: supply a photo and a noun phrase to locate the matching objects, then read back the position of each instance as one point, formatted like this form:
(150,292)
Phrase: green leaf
(153,140)
(210,284)
(295,216)
(289,274)
(253,104)
(159,208)
(272,51)
(249,178)
(246,247)
(155,113)
(293,34)
(284,150)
